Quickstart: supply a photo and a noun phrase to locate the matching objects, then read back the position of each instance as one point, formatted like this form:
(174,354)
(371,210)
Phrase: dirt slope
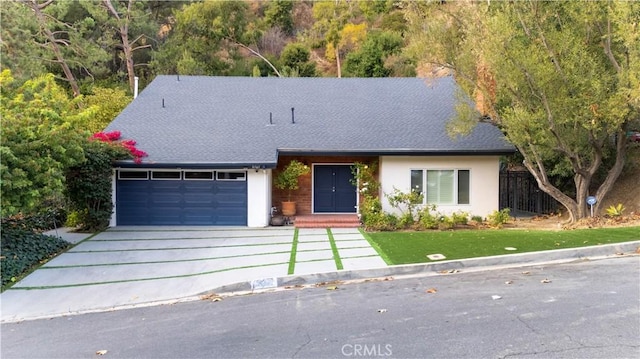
(627,187)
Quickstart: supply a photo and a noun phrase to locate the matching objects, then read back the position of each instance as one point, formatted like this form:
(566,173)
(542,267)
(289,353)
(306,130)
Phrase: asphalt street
(582,309)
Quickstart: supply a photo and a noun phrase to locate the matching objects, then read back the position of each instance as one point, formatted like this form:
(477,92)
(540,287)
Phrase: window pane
(433,187)
(417,183)
(446,187)
(440,187)
(231,176)
(417,180)
(133,175)
(165,175)
(463,187)
(192,175)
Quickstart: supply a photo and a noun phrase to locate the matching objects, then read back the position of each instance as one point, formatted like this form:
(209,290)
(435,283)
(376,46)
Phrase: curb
(428,269)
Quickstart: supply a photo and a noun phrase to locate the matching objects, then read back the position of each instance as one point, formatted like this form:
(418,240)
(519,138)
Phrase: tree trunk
(540,175)
(583,182)
(123,30)
(338,61)
(578,208)
(53,43)
(615,171)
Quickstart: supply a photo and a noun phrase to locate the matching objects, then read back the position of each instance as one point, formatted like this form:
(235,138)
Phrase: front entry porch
(348,220)
(327,189)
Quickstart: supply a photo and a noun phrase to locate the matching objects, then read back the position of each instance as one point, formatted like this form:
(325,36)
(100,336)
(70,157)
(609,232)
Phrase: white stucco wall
(258,197)
(112,220)
(483,172)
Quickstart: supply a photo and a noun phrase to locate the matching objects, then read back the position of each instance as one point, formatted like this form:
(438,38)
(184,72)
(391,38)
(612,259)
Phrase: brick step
(327,221)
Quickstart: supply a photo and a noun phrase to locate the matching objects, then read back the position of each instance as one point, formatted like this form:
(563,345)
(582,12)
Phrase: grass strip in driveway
(158,261)
(334,249)
(146,279)
(413,247)
(294,250)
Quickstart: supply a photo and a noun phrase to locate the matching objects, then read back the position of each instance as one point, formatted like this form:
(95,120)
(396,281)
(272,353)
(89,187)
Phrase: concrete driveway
(132,266)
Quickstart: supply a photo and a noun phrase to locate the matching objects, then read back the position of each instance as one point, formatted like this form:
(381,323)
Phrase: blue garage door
(164,201)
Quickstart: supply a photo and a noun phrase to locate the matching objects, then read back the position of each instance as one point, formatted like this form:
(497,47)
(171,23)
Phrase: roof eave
(398,152)
(195,165)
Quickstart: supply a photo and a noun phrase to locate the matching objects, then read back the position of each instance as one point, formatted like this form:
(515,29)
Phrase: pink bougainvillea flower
(113,137)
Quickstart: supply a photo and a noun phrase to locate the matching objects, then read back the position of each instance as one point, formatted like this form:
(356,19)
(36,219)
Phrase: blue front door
(333,191)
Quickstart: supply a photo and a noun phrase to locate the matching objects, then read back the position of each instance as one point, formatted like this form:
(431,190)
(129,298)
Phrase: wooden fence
(519,192)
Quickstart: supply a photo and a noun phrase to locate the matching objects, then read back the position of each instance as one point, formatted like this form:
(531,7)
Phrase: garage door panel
(180,202)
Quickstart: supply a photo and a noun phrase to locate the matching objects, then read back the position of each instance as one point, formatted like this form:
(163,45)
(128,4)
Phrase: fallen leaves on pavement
(212,297)
(431,290)
(449,271)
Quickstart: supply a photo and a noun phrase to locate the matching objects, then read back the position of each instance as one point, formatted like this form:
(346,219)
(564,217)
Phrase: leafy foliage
(369,60)
(295,60)
(108,103)
(287,179)
(89,186)
(499,218)
(39,141)
(89,183)
(22,248)
(279,13)
(201,43)
(559,78)
(407,203)
(616,211)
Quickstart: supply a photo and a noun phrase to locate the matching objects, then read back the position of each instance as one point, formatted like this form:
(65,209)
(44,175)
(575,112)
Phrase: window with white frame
(133,175)
(231,176)
(442,186)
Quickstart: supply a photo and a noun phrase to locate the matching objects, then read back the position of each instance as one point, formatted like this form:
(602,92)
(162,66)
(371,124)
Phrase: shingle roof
(225,121)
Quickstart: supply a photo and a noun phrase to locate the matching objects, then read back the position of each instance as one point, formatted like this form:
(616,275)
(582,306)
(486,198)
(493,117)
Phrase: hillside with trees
(560,79)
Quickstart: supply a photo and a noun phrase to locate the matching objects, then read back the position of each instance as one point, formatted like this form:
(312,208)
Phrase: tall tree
(20,53)
(279,14)
(69,39)
(295,61)
(369,60)
(203,40)
(560,79)
(124,16)
(54,40)
(331,16)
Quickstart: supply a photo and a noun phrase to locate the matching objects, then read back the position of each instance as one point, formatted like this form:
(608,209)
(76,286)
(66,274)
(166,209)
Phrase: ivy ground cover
(413,247)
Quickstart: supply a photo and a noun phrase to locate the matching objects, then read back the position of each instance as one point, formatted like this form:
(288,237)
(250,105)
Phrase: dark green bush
(43,220)
(89,186)
(22,249)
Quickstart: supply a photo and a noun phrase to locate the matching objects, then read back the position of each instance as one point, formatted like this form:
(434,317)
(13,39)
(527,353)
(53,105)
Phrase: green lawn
(413,247)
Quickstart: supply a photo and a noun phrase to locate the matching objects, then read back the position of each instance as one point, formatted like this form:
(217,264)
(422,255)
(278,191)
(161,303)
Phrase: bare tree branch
(607,48)
(255,53)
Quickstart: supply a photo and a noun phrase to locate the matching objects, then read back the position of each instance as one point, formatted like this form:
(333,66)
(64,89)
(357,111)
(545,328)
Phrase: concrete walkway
(130,266)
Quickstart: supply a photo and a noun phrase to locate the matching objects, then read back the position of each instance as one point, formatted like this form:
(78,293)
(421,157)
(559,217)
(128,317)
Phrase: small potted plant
(288,180)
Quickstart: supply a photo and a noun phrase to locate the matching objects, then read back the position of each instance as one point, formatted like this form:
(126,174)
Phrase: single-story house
(215,144)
